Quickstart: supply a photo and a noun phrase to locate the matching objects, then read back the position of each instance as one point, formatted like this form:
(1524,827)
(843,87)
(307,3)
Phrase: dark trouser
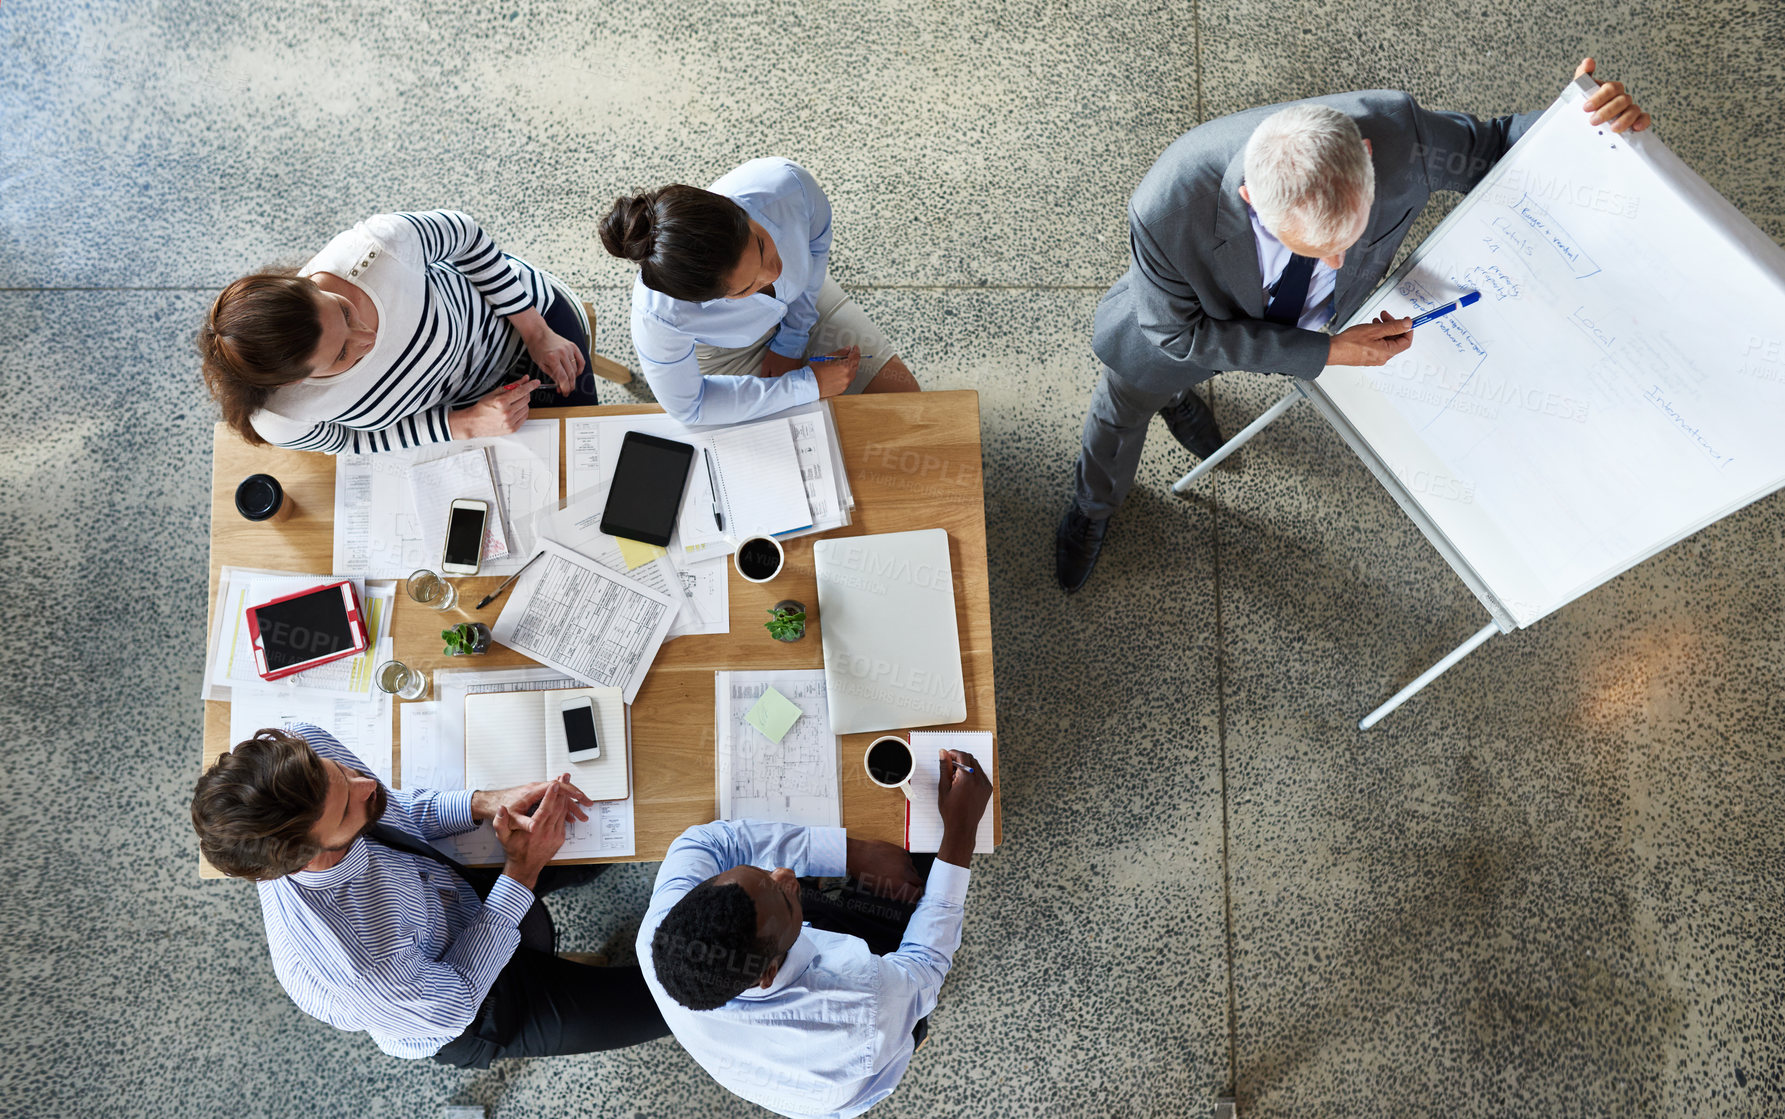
(561,317)
(544,1006)
(1115,431)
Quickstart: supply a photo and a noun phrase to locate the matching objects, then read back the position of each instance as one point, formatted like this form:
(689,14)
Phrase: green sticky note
(773,714)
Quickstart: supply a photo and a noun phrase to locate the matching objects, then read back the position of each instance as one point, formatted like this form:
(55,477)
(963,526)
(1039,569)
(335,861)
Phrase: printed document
(433,753)
(600,626)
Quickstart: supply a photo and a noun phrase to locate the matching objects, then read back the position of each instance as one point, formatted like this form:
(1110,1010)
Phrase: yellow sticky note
(636,553)
(773,714)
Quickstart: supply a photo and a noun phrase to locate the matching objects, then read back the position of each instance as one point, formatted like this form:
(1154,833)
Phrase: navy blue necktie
(1291,291)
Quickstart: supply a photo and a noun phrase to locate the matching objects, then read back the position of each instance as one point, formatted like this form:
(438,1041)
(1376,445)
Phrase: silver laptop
(892,654)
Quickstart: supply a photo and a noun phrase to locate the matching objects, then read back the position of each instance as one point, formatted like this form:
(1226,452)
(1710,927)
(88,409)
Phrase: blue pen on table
(829,357)
(1440,312)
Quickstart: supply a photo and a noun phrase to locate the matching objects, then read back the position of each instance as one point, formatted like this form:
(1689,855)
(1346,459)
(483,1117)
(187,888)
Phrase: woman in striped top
(400,332)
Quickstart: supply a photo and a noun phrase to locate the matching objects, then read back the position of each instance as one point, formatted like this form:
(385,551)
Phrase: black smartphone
(647,492)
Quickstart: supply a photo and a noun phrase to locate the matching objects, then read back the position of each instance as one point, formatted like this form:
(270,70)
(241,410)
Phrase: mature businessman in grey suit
(1248,235)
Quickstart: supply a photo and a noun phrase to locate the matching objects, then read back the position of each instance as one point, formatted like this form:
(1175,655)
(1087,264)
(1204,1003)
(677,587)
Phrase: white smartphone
(579,729)
(463,553)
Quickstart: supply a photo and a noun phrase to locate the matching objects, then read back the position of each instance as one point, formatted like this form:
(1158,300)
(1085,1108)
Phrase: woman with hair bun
(400,332)
(733,297)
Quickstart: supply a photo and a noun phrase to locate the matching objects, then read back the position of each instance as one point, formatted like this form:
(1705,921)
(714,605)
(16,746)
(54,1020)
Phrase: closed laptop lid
(892,653)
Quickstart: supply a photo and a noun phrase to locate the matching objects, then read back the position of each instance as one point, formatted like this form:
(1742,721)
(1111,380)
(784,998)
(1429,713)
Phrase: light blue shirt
(784,199)
(831,1036)
(1273,257)
(388,942)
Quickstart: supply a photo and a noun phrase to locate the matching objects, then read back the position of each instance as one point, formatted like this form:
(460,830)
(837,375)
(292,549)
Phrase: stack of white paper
(434,485)
(378,533)
(594,443)
(577,616)
(703,591)
(230,669)
(434,758)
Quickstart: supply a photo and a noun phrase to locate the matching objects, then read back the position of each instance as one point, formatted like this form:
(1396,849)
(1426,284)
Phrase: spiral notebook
(761,489)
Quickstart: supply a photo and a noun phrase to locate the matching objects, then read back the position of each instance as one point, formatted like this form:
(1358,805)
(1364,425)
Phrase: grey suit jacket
(1192,301)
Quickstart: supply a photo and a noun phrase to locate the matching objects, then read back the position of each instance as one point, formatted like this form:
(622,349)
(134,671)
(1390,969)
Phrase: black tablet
(647,490)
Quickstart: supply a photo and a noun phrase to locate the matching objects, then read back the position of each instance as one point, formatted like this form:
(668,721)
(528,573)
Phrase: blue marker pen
(1440,312)
(827,357)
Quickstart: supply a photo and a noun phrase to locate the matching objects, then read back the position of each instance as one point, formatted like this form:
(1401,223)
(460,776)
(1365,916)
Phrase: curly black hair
(706,951)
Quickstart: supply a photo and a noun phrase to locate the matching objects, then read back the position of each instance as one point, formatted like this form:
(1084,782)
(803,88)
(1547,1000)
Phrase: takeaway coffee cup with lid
(890,763)
(260,497)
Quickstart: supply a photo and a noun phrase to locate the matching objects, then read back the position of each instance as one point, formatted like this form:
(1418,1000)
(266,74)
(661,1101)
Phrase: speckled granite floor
(1551,885)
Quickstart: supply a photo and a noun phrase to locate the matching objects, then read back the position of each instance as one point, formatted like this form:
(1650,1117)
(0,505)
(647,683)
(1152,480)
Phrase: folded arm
(667,357)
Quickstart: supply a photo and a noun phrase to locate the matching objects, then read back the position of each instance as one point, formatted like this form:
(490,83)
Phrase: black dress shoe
(1076,544)
(1193,425)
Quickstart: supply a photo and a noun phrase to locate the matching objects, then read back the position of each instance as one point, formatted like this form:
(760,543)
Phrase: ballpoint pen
(491,597)
(829,357)
(713,483)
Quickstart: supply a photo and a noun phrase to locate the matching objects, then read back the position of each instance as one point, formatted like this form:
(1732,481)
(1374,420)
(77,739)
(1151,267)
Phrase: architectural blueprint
(794,781)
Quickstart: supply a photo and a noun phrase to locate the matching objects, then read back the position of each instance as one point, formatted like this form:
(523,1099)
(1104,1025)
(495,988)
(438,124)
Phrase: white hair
(1308,174)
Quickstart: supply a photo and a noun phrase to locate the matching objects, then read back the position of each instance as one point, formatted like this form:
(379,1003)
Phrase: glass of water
(432,591)
(398,679)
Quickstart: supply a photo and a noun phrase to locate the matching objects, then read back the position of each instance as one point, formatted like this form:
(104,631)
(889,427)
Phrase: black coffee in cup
(759,558)
(889,761)
(261,498)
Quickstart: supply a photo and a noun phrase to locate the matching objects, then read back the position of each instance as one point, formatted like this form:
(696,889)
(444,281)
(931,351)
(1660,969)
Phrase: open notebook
(512,738)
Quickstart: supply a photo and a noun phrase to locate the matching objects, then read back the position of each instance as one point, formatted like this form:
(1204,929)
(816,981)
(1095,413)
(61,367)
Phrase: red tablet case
(355,621)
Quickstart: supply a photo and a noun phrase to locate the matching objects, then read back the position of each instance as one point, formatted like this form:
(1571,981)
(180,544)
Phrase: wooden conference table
(913,460)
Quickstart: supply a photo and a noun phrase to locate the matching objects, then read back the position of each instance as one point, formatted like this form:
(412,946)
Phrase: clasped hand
(530,821)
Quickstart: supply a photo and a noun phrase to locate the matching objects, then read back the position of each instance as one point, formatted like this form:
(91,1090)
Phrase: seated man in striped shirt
(373,929)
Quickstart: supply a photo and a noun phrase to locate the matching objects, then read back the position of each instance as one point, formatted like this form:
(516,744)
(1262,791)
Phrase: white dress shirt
(784,199)
(831,1036)
(1273,257)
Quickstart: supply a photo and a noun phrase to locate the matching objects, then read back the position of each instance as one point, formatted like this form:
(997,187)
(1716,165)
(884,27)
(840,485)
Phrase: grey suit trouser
(1109,450)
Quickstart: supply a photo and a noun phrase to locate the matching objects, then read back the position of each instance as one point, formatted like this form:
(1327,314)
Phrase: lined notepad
(761,489)
(512,738)
(923,822)
(436,484)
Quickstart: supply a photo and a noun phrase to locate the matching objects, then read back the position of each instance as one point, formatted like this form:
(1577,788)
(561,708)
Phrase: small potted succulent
(787,620)
(466,639)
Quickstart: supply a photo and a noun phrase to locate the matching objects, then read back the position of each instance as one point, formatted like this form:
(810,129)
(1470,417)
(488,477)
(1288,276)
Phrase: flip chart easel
(1618,387)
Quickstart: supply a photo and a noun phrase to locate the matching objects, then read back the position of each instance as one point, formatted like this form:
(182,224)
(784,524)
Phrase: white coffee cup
(894,751)
(755,543)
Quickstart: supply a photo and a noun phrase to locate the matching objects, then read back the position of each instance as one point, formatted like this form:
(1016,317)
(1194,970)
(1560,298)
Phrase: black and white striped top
(442,289)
